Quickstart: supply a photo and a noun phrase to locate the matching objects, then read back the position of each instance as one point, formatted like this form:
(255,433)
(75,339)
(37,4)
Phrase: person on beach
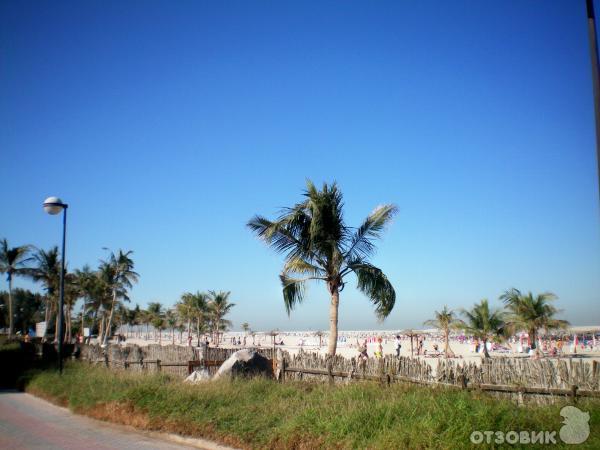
(379,351)
(362,350)
(397,346)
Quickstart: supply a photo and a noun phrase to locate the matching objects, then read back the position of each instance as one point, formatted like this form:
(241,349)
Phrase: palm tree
(318,245)
(218,308)
(145,317)
(85,280)
(47,271)
(13,261)
(444,320)
(135,319)
(185,310)
(484,324)
(195,308)
(71,295)
(121,277)
(171,319)
(531,313)
(156,318)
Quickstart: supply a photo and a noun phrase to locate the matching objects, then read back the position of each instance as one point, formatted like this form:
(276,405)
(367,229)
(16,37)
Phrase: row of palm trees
(521,312)
(204,312)
(103,291)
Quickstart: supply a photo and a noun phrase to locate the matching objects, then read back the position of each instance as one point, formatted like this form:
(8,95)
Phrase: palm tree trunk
(101,329)
(447,346)
(82,323)
(533,337)
(46,319)
(11,318)
(112,309)
(56,328)
(198,330)
(333,320)
(485,350)
(67,337)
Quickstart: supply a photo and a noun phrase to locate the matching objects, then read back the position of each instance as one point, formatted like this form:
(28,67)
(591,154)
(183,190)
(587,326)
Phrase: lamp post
(53,206)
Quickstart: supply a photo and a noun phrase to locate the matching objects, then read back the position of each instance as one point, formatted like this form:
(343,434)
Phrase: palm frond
(361,243)
(300,266)
(293,291)
(375,285)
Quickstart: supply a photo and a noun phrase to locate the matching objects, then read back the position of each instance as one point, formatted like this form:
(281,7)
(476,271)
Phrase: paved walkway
(27,422)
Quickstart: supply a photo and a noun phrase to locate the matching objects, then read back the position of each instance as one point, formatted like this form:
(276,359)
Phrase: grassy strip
(265,414)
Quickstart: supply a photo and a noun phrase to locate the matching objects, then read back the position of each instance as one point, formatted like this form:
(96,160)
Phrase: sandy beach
(295,341)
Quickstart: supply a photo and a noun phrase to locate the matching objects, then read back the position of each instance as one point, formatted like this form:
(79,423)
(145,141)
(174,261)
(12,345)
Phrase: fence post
(574,393)
(330,370)
(126,364)
(282,370)
(190,365)
(158,365)
(106,359)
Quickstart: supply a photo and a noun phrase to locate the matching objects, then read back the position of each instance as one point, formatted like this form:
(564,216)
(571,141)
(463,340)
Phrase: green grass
(264,414)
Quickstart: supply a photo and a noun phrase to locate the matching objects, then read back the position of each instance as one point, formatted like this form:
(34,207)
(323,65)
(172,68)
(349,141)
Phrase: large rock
(245,363)
(198,376)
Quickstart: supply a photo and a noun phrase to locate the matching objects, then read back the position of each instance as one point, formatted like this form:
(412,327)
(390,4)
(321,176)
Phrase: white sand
(296,340)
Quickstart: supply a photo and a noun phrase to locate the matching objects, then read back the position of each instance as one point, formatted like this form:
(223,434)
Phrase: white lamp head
(53,205)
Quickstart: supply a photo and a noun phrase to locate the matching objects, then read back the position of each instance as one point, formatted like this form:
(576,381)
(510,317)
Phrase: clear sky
(167,125)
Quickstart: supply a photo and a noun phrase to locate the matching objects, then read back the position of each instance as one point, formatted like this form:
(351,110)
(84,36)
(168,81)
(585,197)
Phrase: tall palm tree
(46,270)
(13,261)
(484,324)
(444,320)
(194,308)
(145,317)
(171,320)
(71,295)
(121,279)
(532,313)
(218,307)
(318,245)
(185,310)
(156,318)
(86,281)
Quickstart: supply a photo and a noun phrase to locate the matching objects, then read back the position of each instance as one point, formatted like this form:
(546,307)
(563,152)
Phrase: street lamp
(53,206)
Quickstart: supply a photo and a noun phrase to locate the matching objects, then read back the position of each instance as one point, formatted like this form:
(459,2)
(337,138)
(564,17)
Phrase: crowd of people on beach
(424,343)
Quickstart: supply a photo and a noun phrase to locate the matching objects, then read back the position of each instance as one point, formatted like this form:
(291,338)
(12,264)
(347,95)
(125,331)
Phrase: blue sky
(167,125)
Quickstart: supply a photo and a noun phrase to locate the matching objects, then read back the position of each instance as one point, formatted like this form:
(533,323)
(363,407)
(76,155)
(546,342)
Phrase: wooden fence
(513,376)
(172,359)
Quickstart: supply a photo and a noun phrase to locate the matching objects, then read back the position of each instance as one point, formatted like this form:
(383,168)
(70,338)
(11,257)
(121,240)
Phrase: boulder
(245,363)
(198,376)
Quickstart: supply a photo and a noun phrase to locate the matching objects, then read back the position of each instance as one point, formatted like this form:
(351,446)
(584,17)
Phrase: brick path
(27,422)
